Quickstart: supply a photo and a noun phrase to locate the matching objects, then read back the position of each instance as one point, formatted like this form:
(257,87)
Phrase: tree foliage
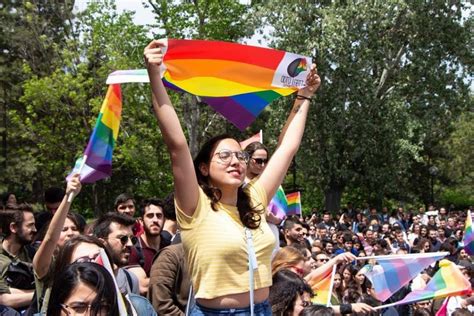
(394,78)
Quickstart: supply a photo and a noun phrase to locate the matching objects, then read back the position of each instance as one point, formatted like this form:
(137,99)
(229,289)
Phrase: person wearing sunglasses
(258,159)
(115,231)
(213,209)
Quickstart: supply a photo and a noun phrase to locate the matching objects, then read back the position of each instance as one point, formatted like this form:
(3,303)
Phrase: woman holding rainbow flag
(216,213)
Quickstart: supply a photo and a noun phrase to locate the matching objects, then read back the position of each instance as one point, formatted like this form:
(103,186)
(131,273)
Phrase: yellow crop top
(216,248)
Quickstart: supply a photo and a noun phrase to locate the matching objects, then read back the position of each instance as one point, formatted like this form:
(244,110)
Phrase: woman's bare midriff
(240,300)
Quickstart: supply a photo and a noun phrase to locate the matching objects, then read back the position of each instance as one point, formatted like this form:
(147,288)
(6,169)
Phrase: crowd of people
(212,247)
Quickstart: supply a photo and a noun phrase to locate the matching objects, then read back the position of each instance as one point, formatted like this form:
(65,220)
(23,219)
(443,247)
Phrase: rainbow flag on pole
(322,287)
(468,238)
(448,281)
(96,162)
(279,205)
(294,203)
(393,272)
(237,80)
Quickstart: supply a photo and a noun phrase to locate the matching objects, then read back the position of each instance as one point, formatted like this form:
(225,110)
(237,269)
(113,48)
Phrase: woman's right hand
(153,54)
(74,185)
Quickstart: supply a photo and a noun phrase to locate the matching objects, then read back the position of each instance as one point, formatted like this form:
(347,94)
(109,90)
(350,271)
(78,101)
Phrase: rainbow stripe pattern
(393,272)
(468,238)
(294,203)
(448,281)
(238,81)
(98,153)
(321,286)
(279,205)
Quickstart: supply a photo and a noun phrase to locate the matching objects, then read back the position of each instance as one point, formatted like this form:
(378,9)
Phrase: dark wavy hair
(286,287)
(249,215)
(91,274)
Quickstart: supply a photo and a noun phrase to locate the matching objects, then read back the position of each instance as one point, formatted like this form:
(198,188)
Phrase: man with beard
(115,230)
(293,231)
(18,225)
(151,240)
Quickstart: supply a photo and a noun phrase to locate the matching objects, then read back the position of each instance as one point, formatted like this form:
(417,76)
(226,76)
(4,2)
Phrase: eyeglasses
(124,239)
(260,161)
(81,308)
(92,258)
(226,155)
(323,259)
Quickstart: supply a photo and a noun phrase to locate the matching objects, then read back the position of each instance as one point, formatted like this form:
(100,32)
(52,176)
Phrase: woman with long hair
(215,212)
(83,289)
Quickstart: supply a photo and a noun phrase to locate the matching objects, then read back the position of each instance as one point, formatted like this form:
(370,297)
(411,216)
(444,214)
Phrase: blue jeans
(142,305)
(261,309)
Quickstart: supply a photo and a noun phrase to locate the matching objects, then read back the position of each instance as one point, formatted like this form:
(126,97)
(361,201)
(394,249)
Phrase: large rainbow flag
(322,287)
(393,272)
(448,281)
(237,80)
(294,203)
(468,238)
(96,163)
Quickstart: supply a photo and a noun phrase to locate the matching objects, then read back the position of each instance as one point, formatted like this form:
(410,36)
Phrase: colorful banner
(468,238)
(322,287)
(96,163)
(393,272)
(236,80)
(278,206)
(448,281)
(294,203)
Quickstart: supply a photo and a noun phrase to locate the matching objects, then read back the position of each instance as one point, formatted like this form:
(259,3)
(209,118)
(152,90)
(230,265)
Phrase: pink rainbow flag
(448,281)
(322,287)
(393,272)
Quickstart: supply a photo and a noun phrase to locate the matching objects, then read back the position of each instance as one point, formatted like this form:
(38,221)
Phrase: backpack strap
(129,280)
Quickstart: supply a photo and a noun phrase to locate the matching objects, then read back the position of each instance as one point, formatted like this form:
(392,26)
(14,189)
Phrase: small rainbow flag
(279,205)
(448,281)
(237,80)
(96,162)
(468,238)
(294,203)
(322,287)
(393,272)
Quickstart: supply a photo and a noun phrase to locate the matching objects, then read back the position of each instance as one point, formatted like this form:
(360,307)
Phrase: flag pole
(404,256)
(261,136)
(328,303)
(83,162)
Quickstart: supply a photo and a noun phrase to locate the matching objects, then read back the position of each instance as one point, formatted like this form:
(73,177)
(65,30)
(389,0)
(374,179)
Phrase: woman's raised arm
(186,186)
(44,255)
(290,137)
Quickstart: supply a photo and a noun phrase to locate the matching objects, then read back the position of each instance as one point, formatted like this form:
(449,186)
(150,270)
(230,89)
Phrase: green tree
(394,78)
(32,34)
(61,110)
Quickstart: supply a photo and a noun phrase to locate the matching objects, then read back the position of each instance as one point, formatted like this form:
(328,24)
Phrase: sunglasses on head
(89,258)
(260,161)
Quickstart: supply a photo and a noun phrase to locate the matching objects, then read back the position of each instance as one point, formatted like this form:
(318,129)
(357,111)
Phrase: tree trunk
(191,116)
(332,198)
